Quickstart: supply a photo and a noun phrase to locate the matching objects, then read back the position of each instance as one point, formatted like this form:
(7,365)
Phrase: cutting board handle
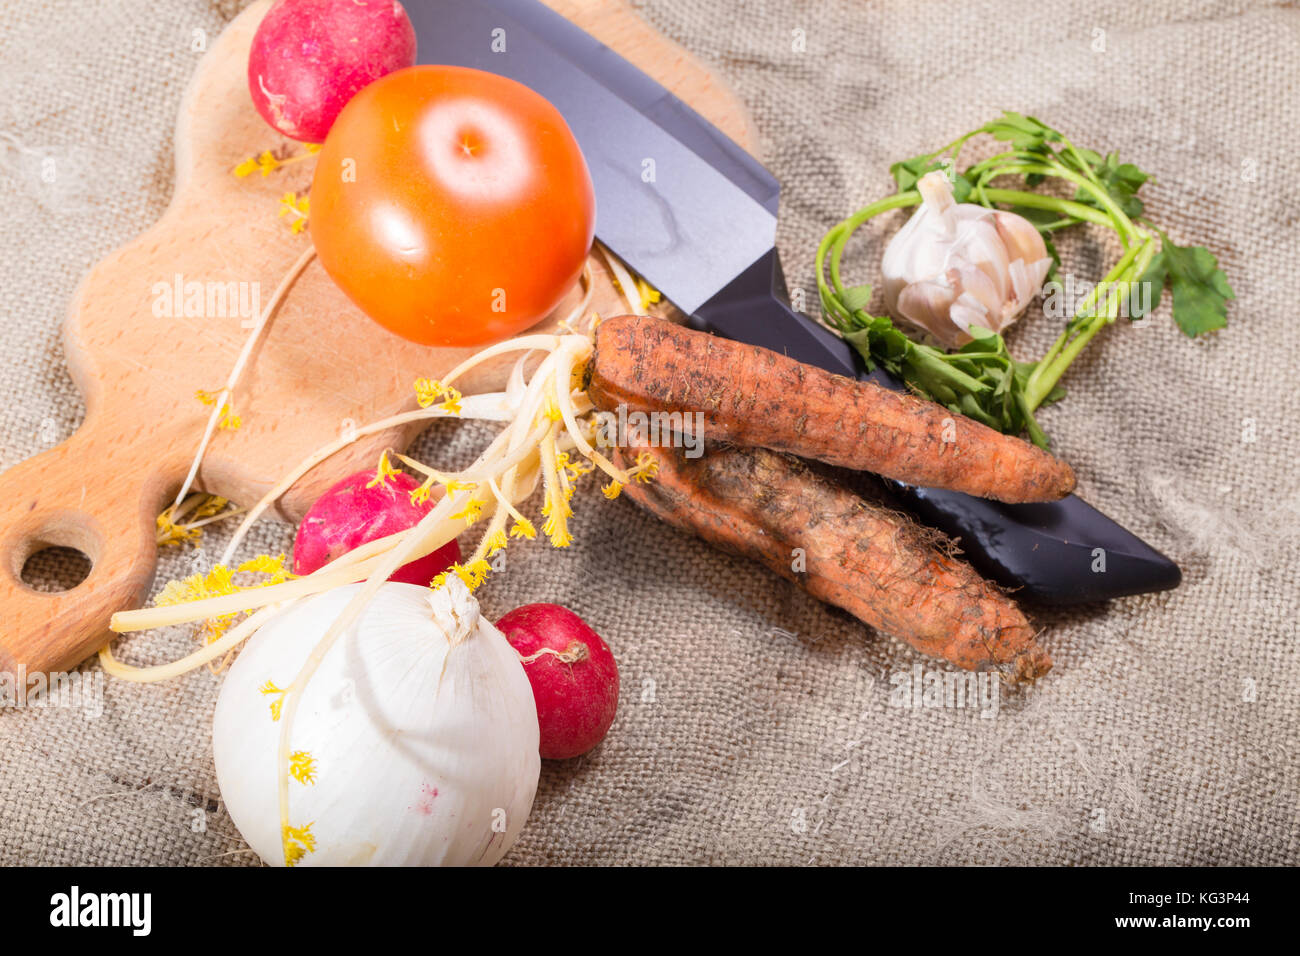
(87,493)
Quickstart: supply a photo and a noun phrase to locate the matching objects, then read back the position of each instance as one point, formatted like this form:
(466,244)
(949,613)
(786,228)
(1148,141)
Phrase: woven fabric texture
(755,725)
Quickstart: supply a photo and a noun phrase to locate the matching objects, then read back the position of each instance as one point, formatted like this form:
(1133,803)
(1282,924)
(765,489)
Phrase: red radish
(350,514)
(574,677)
(309,57)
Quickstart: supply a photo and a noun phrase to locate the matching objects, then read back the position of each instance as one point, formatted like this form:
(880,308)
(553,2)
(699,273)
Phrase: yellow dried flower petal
(646,467)
(297,206)
(218,582)
(272,567)
(170,534)
(383,472)
(267,162)
(496,541)
(421,495)
(302,767)
(473,574)
(228,421)
(557,531)
(298,842)
(471,512)
(579,468)
(270,688)
(263,564)
(211,506)
(649,294)
(428,391)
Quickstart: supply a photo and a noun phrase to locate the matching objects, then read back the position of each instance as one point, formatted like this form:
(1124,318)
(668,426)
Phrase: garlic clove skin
(954,265)
(1035,274)
(419,723)
(909,257)
(981,292)
(926,303)
(984,251)
(1021,239)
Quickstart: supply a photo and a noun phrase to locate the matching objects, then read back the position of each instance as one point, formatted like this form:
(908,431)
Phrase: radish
(574,677)
(350,514)
(309,57)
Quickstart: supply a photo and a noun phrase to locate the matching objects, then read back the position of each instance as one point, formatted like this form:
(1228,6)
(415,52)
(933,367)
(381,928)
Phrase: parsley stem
(1117,219)
(977,170)
(884,205)
(1044,363)
(834,242)
(1066,207)
(968,356)
(1124,225)
(1087,322)
(955,145)
(1083,165)
(1030,164)
(1035,392)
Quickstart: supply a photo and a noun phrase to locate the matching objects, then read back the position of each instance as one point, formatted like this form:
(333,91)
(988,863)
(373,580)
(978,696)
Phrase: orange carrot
(879,565)
(752,396)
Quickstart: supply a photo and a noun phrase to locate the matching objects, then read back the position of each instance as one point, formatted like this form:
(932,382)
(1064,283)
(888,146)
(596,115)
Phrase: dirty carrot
(755,397)
(880,566)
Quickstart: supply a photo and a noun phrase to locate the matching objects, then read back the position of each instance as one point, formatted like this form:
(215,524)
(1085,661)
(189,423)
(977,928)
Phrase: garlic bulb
(955,265)
(414,743)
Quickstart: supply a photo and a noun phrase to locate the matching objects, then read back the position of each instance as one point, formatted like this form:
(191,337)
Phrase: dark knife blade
(696,215)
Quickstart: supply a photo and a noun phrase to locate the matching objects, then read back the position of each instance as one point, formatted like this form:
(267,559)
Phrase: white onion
(419,724)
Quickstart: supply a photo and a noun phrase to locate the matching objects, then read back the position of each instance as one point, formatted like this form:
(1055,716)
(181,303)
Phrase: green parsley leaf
(1121,180)
(855,297)
(1023,132)
(908,171)
(1199,288)
(961,189)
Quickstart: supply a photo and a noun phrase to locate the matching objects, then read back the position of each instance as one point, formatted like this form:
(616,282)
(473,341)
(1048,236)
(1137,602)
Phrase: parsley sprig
(982,379)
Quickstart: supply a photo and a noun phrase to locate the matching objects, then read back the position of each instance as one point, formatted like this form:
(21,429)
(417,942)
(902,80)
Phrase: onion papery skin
(422,753)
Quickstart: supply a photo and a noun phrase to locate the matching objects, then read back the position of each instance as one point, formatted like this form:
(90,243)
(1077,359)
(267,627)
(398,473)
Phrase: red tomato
(452,205)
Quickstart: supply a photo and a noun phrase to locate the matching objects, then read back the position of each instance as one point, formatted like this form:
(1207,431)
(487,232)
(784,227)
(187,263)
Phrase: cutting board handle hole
(54,569)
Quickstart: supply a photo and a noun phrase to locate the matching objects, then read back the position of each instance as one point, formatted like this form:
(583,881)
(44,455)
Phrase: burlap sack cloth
(755,725)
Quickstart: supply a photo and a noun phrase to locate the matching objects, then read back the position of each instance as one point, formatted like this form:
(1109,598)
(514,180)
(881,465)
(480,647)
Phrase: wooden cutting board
(321,367)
